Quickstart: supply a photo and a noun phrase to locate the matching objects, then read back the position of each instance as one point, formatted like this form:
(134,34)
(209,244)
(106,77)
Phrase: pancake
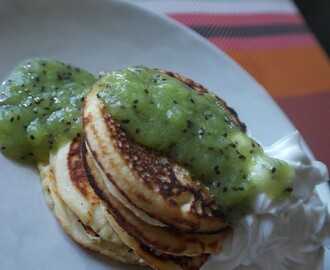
(76,192)
(161,239)
(120,250)
(87,224)
(158,261)
(131,203)
(150,184)
(155,188)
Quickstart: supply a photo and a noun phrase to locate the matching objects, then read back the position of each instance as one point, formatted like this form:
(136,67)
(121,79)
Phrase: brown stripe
(311,115)
(249,30)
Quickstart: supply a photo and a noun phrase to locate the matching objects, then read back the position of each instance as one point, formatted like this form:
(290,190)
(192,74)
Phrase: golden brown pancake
(77,207)
(150,201)
(161,239)
(154,187)
(158,261)
(76,192)
(128,202)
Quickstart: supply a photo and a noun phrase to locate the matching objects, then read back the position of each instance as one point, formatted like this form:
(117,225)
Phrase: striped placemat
(271,40)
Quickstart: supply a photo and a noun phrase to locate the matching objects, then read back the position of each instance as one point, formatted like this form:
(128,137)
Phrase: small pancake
(158,261)
(160,239)
(74,189)
(74,225)
(154,187)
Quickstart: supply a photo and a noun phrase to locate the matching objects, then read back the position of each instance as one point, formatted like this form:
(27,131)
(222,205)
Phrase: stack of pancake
(128,202)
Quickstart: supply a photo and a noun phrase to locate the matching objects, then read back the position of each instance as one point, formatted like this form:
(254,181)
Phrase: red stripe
(201,19)
(265,43)
(311,115)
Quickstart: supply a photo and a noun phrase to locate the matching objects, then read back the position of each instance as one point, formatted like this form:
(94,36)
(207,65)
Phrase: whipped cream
(287,234)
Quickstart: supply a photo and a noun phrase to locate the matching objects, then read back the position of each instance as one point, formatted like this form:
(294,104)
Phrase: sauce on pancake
(195,130)
(40,109)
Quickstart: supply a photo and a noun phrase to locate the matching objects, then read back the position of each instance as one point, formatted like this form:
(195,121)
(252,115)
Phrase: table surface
(272,41)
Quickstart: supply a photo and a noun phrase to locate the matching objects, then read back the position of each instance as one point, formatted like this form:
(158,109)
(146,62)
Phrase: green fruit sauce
(40,109)
(193,129)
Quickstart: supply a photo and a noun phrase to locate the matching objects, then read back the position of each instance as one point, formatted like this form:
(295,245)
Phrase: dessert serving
(148,167)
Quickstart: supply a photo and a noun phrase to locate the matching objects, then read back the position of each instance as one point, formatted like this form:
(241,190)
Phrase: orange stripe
(287,72)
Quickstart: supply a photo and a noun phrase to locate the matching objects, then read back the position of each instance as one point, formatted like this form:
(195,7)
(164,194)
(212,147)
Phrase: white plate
(104,35)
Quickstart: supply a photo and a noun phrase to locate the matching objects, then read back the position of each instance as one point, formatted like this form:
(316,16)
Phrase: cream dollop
(287,234)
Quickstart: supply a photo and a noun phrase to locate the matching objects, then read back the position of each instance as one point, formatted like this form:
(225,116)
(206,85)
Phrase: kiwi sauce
(40,109)
(195,130)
